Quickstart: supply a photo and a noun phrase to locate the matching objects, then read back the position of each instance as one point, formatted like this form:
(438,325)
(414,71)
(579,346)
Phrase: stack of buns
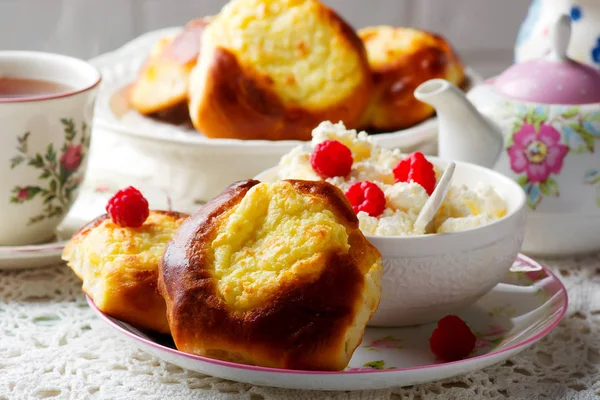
(269,274)
(274,69)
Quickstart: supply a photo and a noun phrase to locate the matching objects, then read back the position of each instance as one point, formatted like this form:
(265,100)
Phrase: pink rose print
(23,193)
(57,182)
(71,158)
(538,154)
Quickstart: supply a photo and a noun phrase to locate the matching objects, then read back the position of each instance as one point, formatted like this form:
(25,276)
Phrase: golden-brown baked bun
(274,69)
(119,266)
(400,60)
(162,83)
(272,274)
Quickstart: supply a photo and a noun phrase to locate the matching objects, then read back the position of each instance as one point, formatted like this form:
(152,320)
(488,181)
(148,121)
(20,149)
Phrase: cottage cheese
(463,208)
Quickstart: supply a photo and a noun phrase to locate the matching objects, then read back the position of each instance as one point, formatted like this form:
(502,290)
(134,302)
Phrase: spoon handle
(435,200)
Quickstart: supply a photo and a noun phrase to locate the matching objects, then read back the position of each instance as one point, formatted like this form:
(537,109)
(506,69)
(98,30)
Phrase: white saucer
(33,256)
(511,317)
(90,204)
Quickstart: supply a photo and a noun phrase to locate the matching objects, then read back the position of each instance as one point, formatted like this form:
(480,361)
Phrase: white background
(483,31)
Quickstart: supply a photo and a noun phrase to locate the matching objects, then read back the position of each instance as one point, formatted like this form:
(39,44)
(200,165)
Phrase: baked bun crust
(274,69)
(119,266)
(162,83)
(400,60)
(272,274)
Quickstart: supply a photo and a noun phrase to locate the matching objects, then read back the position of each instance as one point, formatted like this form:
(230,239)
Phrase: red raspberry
(452,339)
(417,169)
(367,197)
(331,158)
(128,208)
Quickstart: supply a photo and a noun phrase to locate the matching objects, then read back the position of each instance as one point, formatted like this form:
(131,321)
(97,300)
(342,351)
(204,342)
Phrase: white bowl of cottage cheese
(472,243)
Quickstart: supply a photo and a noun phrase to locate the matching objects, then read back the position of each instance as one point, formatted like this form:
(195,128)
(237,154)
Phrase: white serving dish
(426,277)
(185,162)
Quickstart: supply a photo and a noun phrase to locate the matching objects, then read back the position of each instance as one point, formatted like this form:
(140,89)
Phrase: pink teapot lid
(555,79)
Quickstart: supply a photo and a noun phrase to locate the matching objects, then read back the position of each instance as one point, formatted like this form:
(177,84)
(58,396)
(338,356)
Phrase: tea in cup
(46,110)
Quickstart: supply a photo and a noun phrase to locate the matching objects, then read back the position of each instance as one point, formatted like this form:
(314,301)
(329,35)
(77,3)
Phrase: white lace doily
(53,346)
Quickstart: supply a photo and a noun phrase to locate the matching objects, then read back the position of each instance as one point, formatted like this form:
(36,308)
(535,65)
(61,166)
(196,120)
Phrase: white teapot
(534,39)
(539,123)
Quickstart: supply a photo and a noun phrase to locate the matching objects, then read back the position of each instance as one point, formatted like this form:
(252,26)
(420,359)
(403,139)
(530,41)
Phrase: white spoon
(435,200)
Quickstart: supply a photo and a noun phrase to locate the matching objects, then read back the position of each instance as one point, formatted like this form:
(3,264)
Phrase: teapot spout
(463,133)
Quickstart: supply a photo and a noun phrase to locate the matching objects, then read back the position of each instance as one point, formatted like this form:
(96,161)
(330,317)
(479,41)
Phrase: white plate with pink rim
(193,165)
(90,204)
(518,312)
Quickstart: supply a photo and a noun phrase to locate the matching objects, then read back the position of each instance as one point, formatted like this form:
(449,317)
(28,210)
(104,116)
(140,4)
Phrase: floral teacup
(44,144)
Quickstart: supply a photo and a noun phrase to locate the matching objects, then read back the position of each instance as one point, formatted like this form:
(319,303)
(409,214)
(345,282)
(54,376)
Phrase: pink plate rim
(564,305)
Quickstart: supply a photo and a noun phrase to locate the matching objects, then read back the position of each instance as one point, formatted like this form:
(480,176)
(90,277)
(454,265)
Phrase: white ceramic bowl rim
(91,74)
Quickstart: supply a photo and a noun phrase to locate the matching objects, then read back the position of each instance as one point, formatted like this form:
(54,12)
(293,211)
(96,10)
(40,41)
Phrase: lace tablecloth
(53,346)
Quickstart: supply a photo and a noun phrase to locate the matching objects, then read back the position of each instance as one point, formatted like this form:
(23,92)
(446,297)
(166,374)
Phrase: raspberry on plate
(128,208)
(452,339)
(416,168)
(367,197)
(331,158)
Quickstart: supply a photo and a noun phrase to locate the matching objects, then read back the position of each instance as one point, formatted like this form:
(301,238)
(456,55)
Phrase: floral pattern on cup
(387,342)
(58,179)
(538,145)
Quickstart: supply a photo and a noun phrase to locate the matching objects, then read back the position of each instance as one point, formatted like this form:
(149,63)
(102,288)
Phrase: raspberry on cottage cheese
(463,208)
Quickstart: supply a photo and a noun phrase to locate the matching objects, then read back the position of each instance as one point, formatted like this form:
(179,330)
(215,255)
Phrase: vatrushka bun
(162,83)
(274,69)
(272,274)
(400,60)
(119,266)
